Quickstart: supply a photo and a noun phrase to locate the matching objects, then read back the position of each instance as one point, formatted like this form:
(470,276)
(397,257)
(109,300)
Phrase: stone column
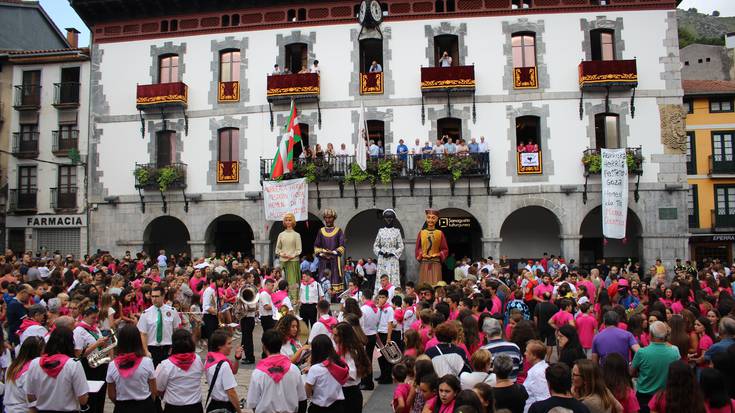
(490,248)
(262,251)
(570,246)
(197,248)
(667,247)
(412,266)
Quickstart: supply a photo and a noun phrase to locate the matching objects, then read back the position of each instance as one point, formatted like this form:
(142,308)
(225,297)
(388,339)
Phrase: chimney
(72,36)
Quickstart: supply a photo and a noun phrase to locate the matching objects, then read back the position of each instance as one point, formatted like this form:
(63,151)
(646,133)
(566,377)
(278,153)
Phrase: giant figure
(388,247)
(329,246)
(288,249)
(431,250)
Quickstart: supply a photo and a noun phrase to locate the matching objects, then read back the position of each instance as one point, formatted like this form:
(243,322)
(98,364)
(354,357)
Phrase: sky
(64,16)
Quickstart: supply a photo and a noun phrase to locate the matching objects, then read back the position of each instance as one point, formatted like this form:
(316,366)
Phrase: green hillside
(696,27)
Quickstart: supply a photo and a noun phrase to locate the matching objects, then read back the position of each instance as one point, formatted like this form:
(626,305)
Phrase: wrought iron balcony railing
(64,198)
(25,145)
(64,141)
(22,200)
(27,97)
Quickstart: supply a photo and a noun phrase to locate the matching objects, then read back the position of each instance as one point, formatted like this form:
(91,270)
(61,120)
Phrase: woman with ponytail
(131,382)
(353,351)
(179,377)
(15,398)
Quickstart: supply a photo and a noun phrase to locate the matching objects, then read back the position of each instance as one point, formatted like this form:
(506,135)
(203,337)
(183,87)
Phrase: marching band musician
(221,373)
(131,381)
(210,306)
(324,324)
(353,291)
(290,328)
(156,325)
(87,339)
(33,324)
(369,324)
(386,323)
(179,377)
(247,324)
(265,307)
(310,293)
(280,300)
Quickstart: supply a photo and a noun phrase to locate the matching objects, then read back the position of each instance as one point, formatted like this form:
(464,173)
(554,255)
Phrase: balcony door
(31,87)
(27,181)
(168,69)
(67,195)
(371,50)
(603,44)
(165,148)
(69,87)
(607,131)
(296,57)
(722,152)
(449,44)
(724,206)
(450,127)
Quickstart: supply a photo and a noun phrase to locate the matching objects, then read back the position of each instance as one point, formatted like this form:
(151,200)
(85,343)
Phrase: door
(164,148)
(67,195)
(27,187)
(31,88)
(17,240)
(722,152)
(69,87)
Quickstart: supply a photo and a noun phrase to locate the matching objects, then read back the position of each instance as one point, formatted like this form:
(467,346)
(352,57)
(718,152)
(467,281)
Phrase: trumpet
(104,355)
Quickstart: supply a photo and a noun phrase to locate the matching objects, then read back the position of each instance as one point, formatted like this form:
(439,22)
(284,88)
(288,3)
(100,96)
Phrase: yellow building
(710,126)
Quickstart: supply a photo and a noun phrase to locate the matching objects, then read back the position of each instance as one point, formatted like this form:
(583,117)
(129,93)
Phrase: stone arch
(168,233)
(463,232)
(361,230)
(593,246)
(307,229)
(530,231)
(229,233)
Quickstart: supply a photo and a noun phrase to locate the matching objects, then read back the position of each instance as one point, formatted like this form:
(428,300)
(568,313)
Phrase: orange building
(710,126)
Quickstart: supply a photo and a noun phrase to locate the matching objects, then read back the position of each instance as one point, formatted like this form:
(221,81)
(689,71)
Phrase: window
(304,128)
(691,154)
(376,132)
(524,50)
(31,88)
(27,179)
(296,57)
(521,4)
(718,105)
(67,137)
(164,25)
(67,189)
(225,20)
(235,20)
(229,66)
(607,131)
(441,6)
(686,63)
(693,206)
(451,127)
(168,71)
(229,139)
(722,152)
(688,106)
(165,148)
(603,44)
(28,142)
(699,60)
(68,88)
(724,204)
(371,50)
(291,15)
(174,25)
(527,133)
(301,15)
(707,60)
(449,44)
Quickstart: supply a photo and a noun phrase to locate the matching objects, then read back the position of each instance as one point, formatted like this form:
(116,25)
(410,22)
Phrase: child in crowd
(400,393)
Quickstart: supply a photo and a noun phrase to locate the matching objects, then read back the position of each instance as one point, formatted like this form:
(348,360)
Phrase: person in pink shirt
(589,285)
(197,283)
(564,316)
(586,327)
(544,287)
(400,393)
(703,329)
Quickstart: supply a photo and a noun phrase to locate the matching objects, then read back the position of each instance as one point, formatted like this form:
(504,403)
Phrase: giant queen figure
(388,247)
(431,250)
(329,246)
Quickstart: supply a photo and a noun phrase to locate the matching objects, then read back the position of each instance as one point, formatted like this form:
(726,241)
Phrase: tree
(716,13)
(686,37)
(692,10)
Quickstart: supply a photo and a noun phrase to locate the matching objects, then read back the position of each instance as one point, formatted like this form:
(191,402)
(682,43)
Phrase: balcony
(228,172)
(27,97)
(228,92)
(525,78)
(340,168)
(371,83)
(22,200)
(529,163)
(151,177)
(162,95)
(301,86)
(448,79)
(25,145)
(721,168)
(608,74)
(64,141)
(722,222)
(64,198)
(592,161)
(66,95)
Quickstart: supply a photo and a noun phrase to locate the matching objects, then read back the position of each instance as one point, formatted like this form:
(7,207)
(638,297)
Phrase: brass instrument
(247,302)
(104,355)
(282,311)
(390,351)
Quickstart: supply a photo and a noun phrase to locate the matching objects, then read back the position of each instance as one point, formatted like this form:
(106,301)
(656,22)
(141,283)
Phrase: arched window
(174,25)
(164,25)
(291,15)
(603,44)
(449,44)
(450,6)
(521,4)
(225,20)
(439,6)
(301,15)
(229,65)
(235,20)
(524,49)
(168,68)
(607,131)
(296,57)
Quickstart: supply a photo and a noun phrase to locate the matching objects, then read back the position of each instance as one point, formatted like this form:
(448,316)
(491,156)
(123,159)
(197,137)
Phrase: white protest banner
(281,197)
(614,193)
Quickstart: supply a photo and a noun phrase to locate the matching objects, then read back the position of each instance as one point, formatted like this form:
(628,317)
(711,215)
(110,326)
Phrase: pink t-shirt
(497,305)
(676,307)
(543,288)
(431,343)
(723,409)
(562,317)
(586,325)
(401,392)
(590,286)
(630,402)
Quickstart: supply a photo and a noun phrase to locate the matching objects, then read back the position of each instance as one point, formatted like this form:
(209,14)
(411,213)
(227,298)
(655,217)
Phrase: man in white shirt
(211,305)
(386,323)
(33,325)
(324,323)
(265,307)
(369,324)
(535,383)
(315,68)
(310,292)
(482,145)
(342,151)
(279,387)
(156,326)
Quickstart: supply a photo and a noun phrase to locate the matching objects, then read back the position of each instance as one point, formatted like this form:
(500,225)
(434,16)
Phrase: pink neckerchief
(340,373)
(354,291)
(91,329)
(278,297)
(448,408)
(305,283)
(52,365)
(214,357)
(27,322)
(22,370)
(126,359)
(388,287)
(372,305)
(398,315)
(275,366)
(328,321)
(183,360)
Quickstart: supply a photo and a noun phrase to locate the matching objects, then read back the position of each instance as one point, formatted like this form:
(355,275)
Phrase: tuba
(247,301)
(104,355)
(390,351)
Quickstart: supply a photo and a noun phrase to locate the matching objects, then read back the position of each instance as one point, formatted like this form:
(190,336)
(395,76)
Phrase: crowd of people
(493,337)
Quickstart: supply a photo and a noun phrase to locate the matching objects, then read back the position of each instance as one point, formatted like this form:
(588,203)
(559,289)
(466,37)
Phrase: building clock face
(376,11)
(363,12)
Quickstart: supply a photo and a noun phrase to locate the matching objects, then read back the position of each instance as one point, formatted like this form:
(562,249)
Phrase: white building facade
(515,78)
(47,153)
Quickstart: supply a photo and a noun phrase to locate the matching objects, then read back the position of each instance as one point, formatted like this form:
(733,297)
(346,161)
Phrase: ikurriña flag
(283,161)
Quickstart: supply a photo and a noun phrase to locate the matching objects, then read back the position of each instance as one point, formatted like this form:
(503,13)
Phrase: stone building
(188,92)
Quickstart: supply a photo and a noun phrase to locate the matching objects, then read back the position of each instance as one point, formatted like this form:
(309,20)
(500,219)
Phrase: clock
(376,11)
(362,14)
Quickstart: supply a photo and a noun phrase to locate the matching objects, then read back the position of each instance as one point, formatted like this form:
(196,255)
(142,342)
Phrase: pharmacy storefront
(63,234)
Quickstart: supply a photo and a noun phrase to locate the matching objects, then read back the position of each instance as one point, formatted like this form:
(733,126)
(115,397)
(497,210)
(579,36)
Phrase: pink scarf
(340,373)
(52,365)
(183,360)
(278,298)
(27,322)
(130,361)
(275,366)
(372,305)
(398,315)
(305,283)
(22,370)
(214,358)
(92,329)
(328,322)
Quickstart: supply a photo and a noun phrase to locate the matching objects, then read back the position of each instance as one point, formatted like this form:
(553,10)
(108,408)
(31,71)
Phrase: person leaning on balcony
(462,148)
(531,147)
(446,60)
(330,151)
(427,150)
(522,147)
(342,151)
(277,69)
(473,147)
(402,150)
(450,148)
(374,150)
(439,149)
(375,67)
(318,152)
(482,144)
(315,68)
(416,148)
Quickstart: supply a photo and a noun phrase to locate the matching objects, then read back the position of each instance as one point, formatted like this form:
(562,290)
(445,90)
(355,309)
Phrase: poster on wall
(614,193)
(281,197)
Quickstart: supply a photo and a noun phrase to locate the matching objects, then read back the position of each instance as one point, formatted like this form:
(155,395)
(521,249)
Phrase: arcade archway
(529,232)
(229,234)
(307,229)
(166,233)
(361,231)
(593,246)
(463,232)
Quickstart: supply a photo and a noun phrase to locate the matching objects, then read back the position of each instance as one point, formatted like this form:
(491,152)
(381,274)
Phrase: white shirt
(136,386)
(342,152)
(209,299)
(61,393)
(315,292)
(287,302)
(265,395)
(225,381)
(32,331)
(315,69)
(409,317)
(288,351)
(482,146)
(15,399)
(319,328)
(180,387)
(327,389)
(369,320)
(353,380)
(149,321)
(385,316)
(264,298)
(468,380)
(83,338)
(391,292)
(536,385)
